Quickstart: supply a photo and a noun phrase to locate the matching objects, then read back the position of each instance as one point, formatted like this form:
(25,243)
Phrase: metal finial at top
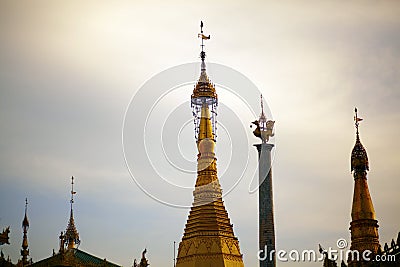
(356,121)
(203,54)
(262,106)
(72,191)
(203,37)
(26,204)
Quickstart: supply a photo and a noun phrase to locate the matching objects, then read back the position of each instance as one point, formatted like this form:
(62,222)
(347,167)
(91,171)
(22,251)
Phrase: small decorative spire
(25,227)
(359,157)
(62,242)
(262,105)
(262,116)
(25,222)
(398,239)
(4,238)
(71,234)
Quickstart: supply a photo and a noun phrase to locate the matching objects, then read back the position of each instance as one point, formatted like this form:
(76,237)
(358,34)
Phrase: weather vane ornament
(201,34)
(265,127)
(203,37)
(357,119)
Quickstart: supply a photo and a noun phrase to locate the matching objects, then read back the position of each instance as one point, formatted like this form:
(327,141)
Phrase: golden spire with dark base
(364,226)
(71,234)
(25,227)
(208,238)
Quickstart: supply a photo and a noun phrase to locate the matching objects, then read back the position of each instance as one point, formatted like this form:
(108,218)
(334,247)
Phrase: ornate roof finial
(202,53)
(356,121)
(71,234)
(62,242)
(359,157)
(25,222)
(25,227)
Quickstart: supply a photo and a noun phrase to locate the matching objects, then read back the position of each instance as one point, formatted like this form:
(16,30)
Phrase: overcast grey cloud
(69,69)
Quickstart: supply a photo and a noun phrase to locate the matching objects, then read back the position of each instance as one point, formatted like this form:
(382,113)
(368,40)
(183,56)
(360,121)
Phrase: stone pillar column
(265,206)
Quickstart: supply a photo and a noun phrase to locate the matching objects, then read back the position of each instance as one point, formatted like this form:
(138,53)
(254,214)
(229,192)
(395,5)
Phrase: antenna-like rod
(202,41)
(203,37)
(262,105)
(356,121)
(72,191)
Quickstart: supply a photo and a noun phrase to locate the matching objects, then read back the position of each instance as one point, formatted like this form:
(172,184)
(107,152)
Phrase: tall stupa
(208,238)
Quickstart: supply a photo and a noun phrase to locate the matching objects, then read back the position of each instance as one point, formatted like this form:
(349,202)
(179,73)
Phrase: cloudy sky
(69,70)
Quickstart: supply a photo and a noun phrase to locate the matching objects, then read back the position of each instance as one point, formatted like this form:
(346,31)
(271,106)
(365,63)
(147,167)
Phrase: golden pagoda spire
(71,234)
(208,238)
(25,227)
(364,226)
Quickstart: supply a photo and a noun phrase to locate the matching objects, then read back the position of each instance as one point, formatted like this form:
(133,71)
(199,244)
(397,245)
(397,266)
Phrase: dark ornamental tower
(25,227)
(264,130)
(208,238)
(364,226)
